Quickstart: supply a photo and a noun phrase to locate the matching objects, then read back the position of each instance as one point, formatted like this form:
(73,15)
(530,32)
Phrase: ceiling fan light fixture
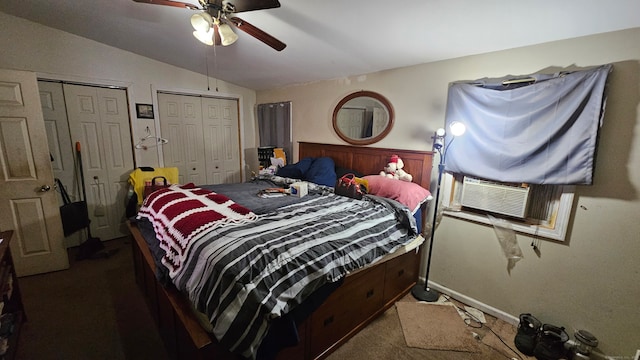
(202,22)
(211,14)
(205,37)
(227,36)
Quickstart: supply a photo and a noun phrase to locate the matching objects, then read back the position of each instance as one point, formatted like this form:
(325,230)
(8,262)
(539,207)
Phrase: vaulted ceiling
(329,39)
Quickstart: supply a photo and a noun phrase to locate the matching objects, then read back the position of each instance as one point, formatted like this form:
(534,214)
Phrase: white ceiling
(329,39)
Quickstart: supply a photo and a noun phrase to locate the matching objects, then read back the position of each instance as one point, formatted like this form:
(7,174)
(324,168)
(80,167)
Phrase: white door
(222,140)
(380,121)
(171,129)
(181,124)
(351,120)
(99,122)
(28,203)
(57,127)
(56,124)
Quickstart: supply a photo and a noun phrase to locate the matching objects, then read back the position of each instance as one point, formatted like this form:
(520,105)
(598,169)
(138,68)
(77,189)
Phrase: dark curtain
(274,126)
(542,131)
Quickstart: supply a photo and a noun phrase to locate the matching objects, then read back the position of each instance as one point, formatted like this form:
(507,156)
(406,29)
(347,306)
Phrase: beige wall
(59,55)
(592,280)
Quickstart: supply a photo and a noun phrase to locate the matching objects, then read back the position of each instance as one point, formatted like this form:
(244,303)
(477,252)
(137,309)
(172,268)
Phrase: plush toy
(276,163)
(394,169)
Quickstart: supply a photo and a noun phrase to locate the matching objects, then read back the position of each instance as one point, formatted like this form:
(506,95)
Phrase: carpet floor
(94,311)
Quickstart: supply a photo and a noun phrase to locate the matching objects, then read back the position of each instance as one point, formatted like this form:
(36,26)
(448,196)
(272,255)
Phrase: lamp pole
(424,293)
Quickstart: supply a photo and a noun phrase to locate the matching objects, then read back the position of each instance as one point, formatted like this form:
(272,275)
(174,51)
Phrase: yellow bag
(141,176)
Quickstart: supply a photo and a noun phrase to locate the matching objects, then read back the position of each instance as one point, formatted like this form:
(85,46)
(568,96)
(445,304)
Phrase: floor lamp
(419,291)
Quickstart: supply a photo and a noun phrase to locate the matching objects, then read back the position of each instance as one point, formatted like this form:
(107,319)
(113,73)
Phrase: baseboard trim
(511,319)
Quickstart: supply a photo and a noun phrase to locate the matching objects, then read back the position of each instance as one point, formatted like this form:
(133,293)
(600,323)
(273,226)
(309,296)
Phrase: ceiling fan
(212,22)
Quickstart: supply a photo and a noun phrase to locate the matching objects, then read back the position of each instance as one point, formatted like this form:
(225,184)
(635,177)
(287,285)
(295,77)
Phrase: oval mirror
(363,118)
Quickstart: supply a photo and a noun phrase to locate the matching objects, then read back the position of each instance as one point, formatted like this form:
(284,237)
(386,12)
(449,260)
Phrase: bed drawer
(360,297)
(401,273)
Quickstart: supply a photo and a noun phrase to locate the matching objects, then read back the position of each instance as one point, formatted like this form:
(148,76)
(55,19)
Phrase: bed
(335,316)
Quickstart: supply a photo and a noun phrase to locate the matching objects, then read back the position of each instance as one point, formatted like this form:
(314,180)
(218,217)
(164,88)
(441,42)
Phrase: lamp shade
(457,128)
(205,37)
(202,22)
(227,36)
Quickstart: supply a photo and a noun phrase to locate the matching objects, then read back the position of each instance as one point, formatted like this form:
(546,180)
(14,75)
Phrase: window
(274,127)
(549,208)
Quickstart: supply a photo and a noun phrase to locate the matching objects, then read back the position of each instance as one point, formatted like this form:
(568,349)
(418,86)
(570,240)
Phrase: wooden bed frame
(359,300)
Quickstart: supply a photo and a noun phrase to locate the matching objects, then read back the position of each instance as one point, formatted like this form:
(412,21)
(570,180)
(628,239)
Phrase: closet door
(62,159)
(380,121)
(99,121)
(181,124)
(57,125)
(352,119)
(222,140)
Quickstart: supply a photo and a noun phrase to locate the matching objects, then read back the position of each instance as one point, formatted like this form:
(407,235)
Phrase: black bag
(153,186)
(349,187)
(75,215)
(131,207)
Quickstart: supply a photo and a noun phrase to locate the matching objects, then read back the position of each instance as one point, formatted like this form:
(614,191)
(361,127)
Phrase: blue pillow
(304,164)
(297,170)
(290,171)
(322,171)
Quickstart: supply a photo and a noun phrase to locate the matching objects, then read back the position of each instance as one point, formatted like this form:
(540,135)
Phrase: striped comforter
(241,275)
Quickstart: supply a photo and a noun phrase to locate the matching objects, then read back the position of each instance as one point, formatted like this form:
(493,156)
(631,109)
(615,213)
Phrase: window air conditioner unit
(511,200)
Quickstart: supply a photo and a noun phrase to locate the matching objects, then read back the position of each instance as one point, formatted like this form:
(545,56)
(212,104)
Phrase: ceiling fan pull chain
(215,66)
(206,61)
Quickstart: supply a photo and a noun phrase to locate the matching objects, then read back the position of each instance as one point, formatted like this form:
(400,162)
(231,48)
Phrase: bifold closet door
(222,140)
(181,124)
(99,120)
(204,138)
(352,119)
(54,111)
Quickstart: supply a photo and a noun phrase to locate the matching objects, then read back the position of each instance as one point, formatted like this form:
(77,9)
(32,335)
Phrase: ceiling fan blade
(257,33)
(250,5)
(170,3)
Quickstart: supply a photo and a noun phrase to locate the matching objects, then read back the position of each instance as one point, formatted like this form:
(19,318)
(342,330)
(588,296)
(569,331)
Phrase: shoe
(550,343)
(527,335)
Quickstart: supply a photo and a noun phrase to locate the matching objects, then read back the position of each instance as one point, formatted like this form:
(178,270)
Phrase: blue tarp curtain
(538,132)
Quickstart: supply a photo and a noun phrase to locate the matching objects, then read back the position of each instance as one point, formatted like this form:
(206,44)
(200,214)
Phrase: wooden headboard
(371,160)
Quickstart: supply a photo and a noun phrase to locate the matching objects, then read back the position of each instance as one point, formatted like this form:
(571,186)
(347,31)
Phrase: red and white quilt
(181,214)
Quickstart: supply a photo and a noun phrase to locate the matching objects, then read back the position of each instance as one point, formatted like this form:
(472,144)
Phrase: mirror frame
(367,141)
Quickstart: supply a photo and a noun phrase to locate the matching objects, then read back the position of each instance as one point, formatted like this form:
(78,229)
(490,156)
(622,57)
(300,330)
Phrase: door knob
(45,188)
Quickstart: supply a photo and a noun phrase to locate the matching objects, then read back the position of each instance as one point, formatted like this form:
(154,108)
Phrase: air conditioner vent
(511,200)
